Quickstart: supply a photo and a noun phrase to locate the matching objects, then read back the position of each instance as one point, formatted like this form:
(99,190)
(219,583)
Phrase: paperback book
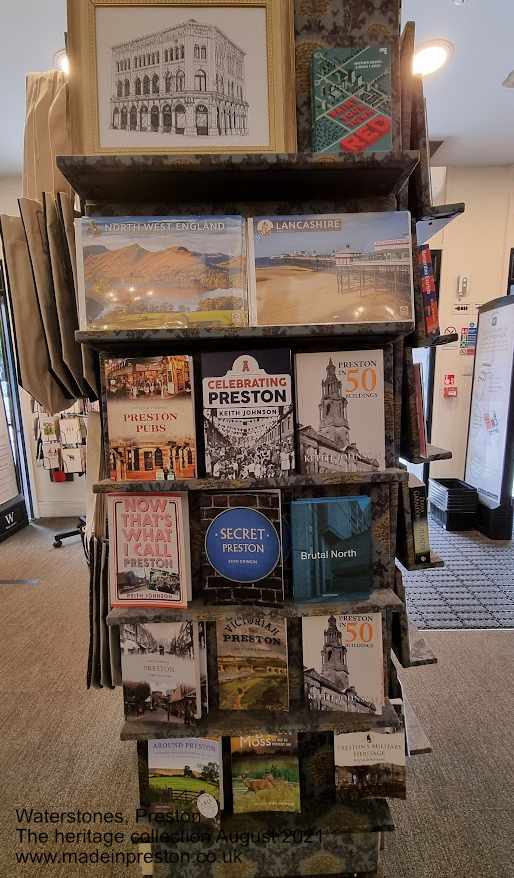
(252,662)
(428,289)
(340,411)
(185,778)
(149,550)
(265,773)
(159,272)
(242,551)
(351,100)
(417,494)
(330,268)
(370,764)
(160,667)
(332,547)
(343,662)
(150,417)
(248,414)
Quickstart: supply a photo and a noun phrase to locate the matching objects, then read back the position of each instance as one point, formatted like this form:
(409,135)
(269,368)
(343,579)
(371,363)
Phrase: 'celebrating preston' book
(248,414)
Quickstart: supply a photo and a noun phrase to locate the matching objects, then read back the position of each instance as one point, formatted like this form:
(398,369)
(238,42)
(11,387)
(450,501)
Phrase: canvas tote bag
(47,133)
(34,370)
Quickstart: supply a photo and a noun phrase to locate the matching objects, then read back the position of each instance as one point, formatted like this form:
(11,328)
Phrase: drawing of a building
(188,79)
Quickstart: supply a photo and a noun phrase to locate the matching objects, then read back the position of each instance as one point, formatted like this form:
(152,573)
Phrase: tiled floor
(475,588)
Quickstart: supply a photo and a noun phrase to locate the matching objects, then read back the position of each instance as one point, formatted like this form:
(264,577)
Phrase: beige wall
(476,244)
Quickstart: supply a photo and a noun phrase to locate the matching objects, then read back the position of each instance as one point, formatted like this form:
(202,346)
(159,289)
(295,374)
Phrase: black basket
(453,520)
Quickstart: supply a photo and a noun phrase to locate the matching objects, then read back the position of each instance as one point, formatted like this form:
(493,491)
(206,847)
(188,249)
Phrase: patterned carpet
(475,588)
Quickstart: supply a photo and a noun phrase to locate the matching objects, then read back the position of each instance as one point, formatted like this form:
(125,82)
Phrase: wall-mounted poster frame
(197,76)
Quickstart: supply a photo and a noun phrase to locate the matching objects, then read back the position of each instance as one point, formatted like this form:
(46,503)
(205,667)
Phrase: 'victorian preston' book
(155,272)
(370,764)
(343,662)
(265,773)
(248,414)
(185,778)
(252,662)
(150,417)
(149,550)
(331,547)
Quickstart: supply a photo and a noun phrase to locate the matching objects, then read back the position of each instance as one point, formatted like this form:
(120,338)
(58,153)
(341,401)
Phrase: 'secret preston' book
(252,662)
(155,272)
(331,547)
(149,550)
(248,414)
(265,773)
(343,662)
(149,410)
(330,268)
(370,764)
(185,778)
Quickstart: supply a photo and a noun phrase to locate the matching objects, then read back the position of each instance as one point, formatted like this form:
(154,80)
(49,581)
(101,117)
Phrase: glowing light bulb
(430,57)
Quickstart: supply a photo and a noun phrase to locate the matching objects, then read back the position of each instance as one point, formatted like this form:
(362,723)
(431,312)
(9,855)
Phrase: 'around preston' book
(343,662)
(160,272)
(150,417)
(185,778)
(252,662)
(351,100)
(265,773)
(340,411)
(161,670)
(330,268)
(370,764)
(149,550)
(331,547)
(248,414)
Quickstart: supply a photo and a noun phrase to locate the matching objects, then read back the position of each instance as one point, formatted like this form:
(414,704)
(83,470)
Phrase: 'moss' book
(265,773)
(149,550)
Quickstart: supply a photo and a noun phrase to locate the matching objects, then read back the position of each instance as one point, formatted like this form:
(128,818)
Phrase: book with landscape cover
(351,100)
(149,550)
(248,413)
(252,662)
(160,272)
(241,559)
(330,268)
(343,662)
(340,411)
(149,412)
(370,764)
(265,773)
(185,778)
(331,547)
(160,671)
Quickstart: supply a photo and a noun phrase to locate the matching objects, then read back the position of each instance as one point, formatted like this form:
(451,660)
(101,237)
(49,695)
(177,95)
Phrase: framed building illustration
(159,76)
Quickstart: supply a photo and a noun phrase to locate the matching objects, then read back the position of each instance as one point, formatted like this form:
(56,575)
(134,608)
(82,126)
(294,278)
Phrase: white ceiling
(467,106)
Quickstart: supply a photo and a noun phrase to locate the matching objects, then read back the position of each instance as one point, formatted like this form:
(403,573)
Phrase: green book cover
(252,662)
(185,778)
(265,773)
(351,100)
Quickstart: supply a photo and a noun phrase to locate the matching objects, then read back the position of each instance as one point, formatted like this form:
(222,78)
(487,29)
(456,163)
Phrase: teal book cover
(331,547)
(351,100)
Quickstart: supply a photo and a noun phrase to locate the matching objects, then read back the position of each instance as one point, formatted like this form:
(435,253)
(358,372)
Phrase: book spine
(251,278)
(81,283)
(428,290)
(419,516)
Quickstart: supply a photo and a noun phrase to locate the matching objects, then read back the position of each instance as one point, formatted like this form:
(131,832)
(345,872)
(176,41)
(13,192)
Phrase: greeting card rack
(346,838)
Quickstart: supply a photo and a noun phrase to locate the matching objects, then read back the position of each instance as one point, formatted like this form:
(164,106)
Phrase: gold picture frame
(110,107)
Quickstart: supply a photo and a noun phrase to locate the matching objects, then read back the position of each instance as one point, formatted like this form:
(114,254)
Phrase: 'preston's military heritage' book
(330,268)
(340,411)
(265,773)
(370,764)
(331,547)
(343,662)
(185,778)
(150,417)
(160,272)
(248,414)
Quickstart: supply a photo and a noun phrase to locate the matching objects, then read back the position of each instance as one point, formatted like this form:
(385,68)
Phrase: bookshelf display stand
(344,838)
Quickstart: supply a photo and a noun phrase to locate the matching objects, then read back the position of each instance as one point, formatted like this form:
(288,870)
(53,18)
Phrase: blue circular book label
(242,545)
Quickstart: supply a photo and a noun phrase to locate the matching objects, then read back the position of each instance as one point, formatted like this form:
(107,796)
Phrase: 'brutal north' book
(252,662)
(265,773)
(185,778)
(248,414)
(370,764)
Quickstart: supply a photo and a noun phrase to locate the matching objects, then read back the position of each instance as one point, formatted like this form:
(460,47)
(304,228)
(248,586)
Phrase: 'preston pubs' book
(150,417)
(331,547)
(160,272)
(351,100)
(340,411)
(252,662)
(343,662)
(370,764)
(265,773)
(248,414)
(330,268)
(149,550)
(185,778)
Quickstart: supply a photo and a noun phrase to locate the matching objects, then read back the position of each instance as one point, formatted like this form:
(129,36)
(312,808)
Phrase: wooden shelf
(420,652)
(392,474)
(417,741)
(381,599)
(246,722)
(168,179)
(436,561)
(433,453)
(435,219)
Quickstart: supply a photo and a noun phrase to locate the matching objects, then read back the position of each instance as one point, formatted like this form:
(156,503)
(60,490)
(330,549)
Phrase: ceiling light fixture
(431,56)
(62,62)
(508,82)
